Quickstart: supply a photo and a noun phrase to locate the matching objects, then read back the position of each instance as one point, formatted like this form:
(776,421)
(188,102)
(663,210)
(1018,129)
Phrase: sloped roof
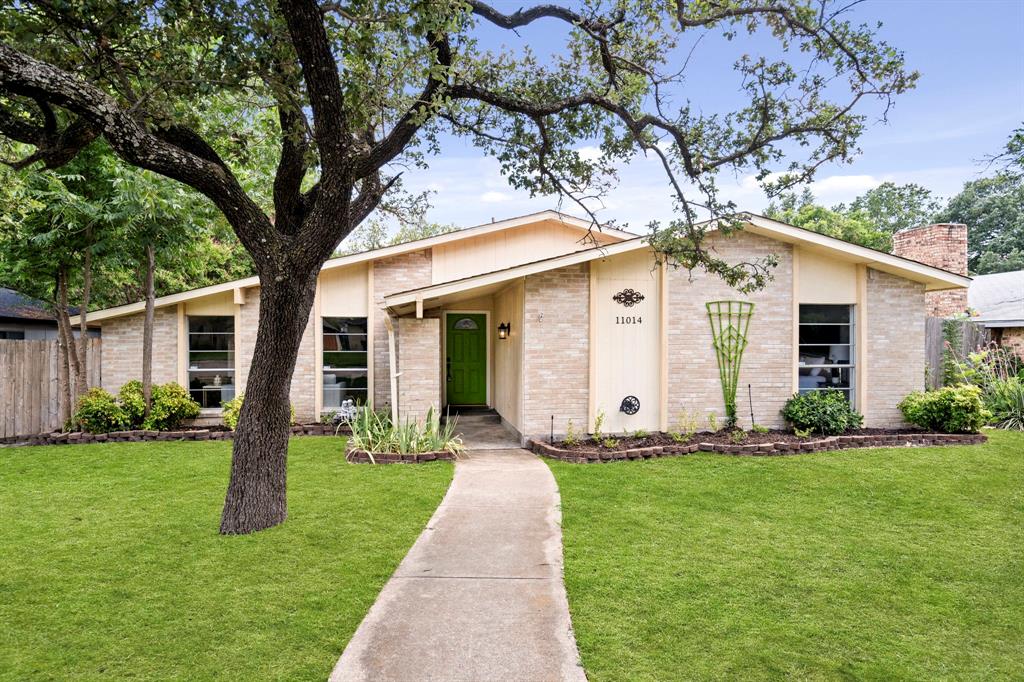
(17,306)
(998,298)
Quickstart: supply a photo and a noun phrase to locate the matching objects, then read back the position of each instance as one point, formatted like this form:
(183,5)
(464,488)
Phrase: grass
(111,566)
(872,564)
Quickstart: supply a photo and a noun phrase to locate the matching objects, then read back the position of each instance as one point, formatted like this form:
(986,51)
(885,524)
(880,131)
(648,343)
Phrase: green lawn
(111,566)
(874,564)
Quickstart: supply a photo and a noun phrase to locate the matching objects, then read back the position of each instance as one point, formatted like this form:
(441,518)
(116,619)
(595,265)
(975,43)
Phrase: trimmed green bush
(826,412)
(171,405)
(952,409)
(232,408)
(130,399)
(98,412)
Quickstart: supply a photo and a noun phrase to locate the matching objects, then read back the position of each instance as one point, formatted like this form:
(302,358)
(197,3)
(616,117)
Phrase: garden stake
(750,398)
(552,438)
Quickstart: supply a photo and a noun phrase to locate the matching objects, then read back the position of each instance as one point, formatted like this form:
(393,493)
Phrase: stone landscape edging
(355,456)
(138,436)
(760,449)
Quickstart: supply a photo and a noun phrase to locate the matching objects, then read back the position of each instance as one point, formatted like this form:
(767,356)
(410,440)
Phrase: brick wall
(895,340)
(694,384)
(556,343)
(943,245)
(122,348)
(391,275)
(420,366)
(1013,338)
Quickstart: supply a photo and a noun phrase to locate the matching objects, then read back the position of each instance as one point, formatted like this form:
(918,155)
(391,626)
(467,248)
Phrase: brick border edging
(762,449)
(138,436)
(363,457)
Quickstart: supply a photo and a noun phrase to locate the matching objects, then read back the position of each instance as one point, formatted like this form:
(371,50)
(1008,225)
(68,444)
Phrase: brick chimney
(943,245)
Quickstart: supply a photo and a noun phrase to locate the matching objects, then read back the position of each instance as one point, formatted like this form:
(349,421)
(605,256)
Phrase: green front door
(466,358)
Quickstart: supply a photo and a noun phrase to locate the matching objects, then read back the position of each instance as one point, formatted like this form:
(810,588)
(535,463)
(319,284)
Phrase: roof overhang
(934,279)
(366,256)
(436,295)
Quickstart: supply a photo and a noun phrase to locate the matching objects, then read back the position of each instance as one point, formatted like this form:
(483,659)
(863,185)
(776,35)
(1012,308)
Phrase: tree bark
(82,380)
(64,327)
(63,379)
(257,492)
(147,330)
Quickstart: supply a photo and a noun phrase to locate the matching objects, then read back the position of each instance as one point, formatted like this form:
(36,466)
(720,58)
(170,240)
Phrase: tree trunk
(63,382)
(147,330)
(64,327)
(82,380)
(256,497)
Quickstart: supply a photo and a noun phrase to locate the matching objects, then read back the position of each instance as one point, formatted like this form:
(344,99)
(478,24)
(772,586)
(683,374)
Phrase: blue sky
(968,100)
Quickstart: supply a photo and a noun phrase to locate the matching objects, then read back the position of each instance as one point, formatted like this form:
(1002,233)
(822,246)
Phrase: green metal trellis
(730,321)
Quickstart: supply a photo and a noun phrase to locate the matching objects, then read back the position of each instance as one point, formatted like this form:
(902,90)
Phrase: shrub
(171,405)
(130,399)
(1005,399)
(98,412)
(952,409)
(826,412)
(374,433)
(232,408)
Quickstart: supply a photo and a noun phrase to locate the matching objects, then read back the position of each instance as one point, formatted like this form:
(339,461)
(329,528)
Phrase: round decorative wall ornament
(628,297)
(630,405)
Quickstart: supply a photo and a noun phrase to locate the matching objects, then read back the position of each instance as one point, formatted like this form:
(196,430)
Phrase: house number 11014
(628,319)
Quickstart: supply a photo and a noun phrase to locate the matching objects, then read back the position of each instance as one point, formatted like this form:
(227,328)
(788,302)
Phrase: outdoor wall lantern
(503,329)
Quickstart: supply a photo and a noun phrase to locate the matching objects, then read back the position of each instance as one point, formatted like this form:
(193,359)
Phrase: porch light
(503,329)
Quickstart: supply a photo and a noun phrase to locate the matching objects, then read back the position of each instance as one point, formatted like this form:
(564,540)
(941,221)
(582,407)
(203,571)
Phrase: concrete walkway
(480,595)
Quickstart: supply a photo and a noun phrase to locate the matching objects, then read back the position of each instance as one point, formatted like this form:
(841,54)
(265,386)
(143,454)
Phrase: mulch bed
(756,444)
(216,432)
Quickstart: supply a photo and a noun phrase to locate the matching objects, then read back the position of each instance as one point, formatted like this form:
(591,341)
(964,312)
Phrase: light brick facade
(943,245)
(122,348)
(1013,338)
(392,275)
(419,365)
(895,353)
(694,385)
(556,357)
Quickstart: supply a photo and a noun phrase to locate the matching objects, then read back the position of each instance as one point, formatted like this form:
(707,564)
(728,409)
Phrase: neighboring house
(528,317)
(25,318)
(997,303)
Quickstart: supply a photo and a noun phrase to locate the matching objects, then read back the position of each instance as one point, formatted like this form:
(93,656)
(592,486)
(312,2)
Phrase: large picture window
(211,359)
(345,361)
(827,352)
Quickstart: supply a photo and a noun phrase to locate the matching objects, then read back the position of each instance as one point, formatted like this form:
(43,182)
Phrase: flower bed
(356,456)
(756,444)
(213,433)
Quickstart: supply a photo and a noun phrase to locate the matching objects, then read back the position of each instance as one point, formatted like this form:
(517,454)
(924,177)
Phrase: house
(27,319)
(534,319)
(997,303)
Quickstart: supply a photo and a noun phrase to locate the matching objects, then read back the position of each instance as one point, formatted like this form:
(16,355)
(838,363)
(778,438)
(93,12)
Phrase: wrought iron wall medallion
(630,405)
(628,297)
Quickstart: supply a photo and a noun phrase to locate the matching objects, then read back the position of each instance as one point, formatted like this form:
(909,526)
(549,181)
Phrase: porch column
(419,366)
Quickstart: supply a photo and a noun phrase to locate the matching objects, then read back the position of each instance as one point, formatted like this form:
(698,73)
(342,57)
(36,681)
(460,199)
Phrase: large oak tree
(362,89)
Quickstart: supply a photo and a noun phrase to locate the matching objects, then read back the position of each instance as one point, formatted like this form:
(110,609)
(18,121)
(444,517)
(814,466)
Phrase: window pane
(344,359)
(210,389)
(825,377)
(345,342)
(214,359)
(344,325)
(824,313)
(224,324)
(335,395)
(344,379)
(825,333)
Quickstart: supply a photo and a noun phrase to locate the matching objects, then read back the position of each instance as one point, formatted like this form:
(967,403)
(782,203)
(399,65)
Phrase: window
(12,335)
(827,357)
(211,359)
(345,361)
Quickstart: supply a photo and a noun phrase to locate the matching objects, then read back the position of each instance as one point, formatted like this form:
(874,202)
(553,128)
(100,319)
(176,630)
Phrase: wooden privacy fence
(967,338)
(29,388)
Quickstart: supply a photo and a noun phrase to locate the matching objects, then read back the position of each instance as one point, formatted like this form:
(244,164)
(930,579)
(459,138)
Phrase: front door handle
(448,369)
